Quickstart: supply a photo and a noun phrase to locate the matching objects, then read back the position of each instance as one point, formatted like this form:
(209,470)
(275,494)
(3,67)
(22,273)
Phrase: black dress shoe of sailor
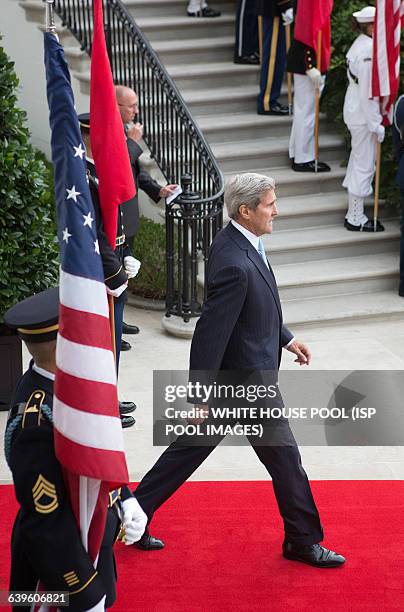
(275,109)
(127,421)
(129,329)
(127,407)
(125,346)
(247,59)
(311,167)
(313,554)
(147,542)
(205,12)
(365,227)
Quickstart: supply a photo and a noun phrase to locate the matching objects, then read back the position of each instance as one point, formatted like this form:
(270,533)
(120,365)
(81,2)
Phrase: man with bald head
(128,108)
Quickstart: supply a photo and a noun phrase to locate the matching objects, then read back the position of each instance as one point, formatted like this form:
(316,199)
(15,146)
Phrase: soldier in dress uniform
(363,119)
(46,545)
(119,264)
(276,14)
(398,142)
(301,61)
(246,33)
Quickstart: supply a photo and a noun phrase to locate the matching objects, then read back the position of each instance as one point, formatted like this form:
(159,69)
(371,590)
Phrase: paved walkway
(364,345)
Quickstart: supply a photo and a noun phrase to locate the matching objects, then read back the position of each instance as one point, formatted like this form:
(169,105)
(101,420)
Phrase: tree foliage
(28,248)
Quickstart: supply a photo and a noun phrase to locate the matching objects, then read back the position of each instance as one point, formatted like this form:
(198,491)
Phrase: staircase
(324,272)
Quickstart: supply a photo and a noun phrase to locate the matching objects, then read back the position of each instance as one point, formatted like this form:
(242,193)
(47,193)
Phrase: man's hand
(287,17)
(301,351)
(203,411)
(131,265)
(167,190)
(134,520)
(135,132)
(315,77)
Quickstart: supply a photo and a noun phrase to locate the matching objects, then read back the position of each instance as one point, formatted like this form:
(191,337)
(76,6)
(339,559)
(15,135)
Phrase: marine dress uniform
(363,119)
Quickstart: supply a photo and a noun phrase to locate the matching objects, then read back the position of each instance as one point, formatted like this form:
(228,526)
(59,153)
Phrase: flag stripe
(100,461)
(82,293)
(93,396)
(94,430)
(87,362)
(85,328)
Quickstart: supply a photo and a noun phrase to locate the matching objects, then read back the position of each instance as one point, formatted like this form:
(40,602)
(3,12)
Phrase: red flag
(108,143)
(312,17)
(386,55)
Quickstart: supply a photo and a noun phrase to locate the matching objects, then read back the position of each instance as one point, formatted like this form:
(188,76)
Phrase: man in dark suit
(241,329)
(128,108)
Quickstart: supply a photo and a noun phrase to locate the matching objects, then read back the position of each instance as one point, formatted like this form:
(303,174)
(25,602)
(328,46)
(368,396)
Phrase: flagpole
(377,185)
(289,74)
(112,323)
(316,127)
(260,37)
(50,24)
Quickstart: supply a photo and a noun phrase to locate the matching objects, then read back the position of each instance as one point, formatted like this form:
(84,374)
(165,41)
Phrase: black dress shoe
(369,226)
(275,109)
(247,59)
(127,421)
(311,167)
(127,407)
(205,12)
(125,346)
(147,542)
(401,290)
(314,554)
(129,329)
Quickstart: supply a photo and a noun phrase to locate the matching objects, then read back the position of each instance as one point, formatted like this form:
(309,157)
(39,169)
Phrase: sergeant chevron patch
(44,496)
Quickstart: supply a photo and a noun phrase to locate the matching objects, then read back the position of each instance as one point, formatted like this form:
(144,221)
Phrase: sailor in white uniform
(363,119)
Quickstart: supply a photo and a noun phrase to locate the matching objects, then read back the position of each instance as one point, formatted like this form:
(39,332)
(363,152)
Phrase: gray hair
(246,189)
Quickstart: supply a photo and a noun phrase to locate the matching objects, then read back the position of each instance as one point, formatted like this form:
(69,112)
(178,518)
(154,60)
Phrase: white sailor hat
(366,15)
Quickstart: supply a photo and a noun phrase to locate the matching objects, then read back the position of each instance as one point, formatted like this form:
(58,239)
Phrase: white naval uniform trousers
(301,142)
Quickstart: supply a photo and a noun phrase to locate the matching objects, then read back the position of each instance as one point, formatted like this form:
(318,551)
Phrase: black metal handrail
(174,140)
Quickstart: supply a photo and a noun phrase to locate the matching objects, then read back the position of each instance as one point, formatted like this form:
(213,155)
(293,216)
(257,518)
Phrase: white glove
(131,265)
(134,520)
(287,17)
(315,77)
(380,133)
(118,291)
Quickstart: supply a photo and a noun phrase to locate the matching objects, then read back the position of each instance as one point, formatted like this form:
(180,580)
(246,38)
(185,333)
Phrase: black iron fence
(174,140)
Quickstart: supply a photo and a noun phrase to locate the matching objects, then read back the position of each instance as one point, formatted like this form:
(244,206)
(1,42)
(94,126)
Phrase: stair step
(174,28)
(327,310)
(275,151)
(290,183)
(207,75)
(224,100)
(328,242)
(333,277)
(147,8)
(192,51)
(246,126)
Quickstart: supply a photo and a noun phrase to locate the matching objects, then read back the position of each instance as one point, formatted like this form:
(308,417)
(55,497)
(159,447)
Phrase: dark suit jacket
(273,8)
(241,324)
(144,181)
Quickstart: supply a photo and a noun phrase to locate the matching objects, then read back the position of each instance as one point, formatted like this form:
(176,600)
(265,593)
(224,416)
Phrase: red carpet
(223,542)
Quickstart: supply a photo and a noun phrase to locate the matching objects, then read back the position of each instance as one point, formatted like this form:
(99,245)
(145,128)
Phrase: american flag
(386,55)
(87,427)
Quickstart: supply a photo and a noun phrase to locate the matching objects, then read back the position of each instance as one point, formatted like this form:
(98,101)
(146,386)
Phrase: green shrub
(28,248)
(150,249)
(336,86)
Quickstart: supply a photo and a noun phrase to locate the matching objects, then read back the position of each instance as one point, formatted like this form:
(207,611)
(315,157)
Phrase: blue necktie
(261,251)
